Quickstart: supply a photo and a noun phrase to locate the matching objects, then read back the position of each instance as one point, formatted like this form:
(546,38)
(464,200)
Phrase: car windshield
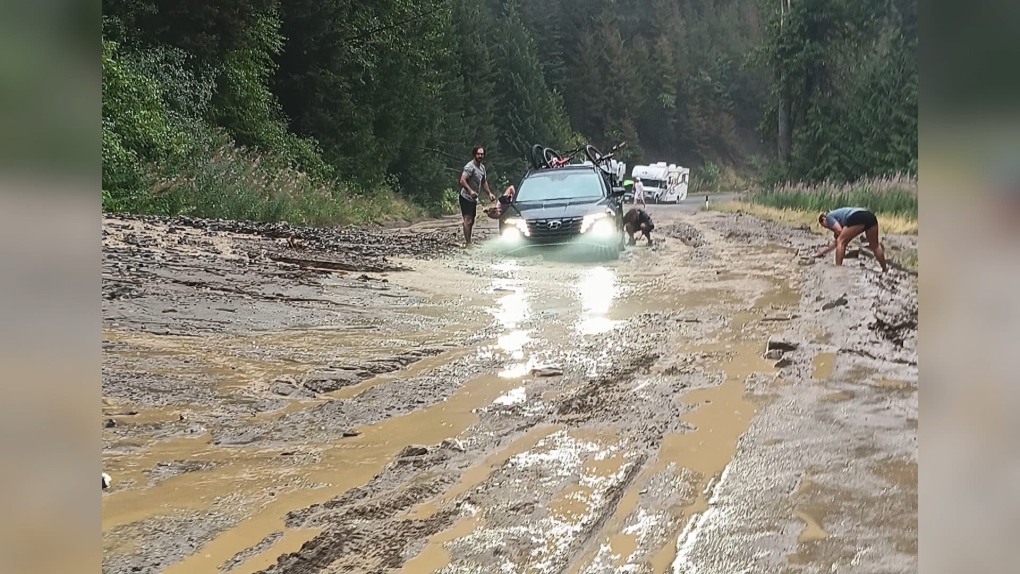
(560,184)
(652,183)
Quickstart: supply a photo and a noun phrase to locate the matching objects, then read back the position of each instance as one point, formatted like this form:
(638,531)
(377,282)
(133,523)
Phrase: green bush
(705,178)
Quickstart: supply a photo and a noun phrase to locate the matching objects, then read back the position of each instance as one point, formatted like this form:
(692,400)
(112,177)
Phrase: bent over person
(637,220)
(847,223)
(472,179)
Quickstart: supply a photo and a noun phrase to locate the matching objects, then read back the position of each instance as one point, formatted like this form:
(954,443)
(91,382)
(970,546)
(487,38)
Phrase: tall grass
(888,223)
(895,196)
(240,184)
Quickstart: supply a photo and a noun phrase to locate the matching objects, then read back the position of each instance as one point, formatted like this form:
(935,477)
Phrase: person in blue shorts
(846,223)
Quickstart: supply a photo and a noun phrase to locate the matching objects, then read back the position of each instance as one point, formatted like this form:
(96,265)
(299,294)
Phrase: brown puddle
(477,474)
(344,465)
(894,385)
(722,416)
(837,397)
(823,365)
(435,556)
(812,528)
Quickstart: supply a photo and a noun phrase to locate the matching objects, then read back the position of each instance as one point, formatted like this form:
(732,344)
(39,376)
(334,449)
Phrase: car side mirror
(617,192)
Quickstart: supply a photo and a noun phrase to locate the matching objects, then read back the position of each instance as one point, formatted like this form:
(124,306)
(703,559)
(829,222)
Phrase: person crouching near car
(637,220)
(472,179)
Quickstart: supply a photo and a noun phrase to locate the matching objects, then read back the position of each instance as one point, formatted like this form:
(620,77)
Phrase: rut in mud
(299,401)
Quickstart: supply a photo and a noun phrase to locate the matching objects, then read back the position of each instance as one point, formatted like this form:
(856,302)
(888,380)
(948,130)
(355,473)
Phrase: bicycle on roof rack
(543,157)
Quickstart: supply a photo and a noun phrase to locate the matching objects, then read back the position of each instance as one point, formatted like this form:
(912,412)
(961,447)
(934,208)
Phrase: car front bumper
(513,239)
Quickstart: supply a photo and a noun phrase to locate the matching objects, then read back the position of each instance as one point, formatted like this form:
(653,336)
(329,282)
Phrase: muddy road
(292,401)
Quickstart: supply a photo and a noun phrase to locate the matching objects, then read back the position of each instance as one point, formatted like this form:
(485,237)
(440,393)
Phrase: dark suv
(570,206)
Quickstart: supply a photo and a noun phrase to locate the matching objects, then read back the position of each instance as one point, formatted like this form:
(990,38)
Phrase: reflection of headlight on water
(511,233)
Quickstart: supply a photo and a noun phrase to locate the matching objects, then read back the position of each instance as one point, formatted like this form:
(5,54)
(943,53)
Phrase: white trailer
(663,183)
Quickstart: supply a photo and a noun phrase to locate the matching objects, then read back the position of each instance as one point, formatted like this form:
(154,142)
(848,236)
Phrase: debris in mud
(240,557)
(782,363)
(546,372)
(895,323)
(840,302)
(413,450)
(106,481)
(169,469)
(779,344)
(331,380)
(778,318)
(686,233)
(288,389)
(773,354)
(453,444)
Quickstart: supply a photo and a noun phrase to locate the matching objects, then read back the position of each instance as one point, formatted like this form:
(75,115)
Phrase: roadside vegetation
(327,113)
(893,200)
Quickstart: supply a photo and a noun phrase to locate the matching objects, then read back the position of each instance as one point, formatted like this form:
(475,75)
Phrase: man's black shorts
(865,218)
(468,208)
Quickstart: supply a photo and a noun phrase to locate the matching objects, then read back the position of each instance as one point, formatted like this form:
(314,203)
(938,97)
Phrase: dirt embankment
(299,401)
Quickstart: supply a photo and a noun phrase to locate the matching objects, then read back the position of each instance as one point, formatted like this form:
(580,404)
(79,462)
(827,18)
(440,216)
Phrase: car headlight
(603,227)
(589,220)
(516,227)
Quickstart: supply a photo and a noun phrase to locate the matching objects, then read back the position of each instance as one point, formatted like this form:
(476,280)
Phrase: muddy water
(720,415)
(477,474)
(610,465)
(247,475)
(345,465)
(823,363)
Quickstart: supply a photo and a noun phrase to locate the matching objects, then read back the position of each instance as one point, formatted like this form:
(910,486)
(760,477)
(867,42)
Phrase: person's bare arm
(836,228)
(485,182)
(464,183)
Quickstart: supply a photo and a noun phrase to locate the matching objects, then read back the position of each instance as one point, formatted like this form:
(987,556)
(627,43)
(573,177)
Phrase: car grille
(554,228)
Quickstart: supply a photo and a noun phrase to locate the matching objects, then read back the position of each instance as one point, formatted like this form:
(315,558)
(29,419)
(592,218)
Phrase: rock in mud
(331,380)
(546,372)
(780,344)
(453,444)
(286,389)
(413,450)
(833,304)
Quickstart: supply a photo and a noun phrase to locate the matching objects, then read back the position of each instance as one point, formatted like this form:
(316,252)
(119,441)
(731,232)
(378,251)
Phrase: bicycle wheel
(550,155)
(536,160)
(593,153)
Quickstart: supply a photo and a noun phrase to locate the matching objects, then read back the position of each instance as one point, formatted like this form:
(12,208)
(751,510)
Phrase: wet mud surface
(312,401)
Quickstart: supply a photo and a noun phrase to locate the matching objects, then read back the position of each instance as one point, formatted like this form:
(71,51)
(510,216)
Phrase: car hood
(554,208)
